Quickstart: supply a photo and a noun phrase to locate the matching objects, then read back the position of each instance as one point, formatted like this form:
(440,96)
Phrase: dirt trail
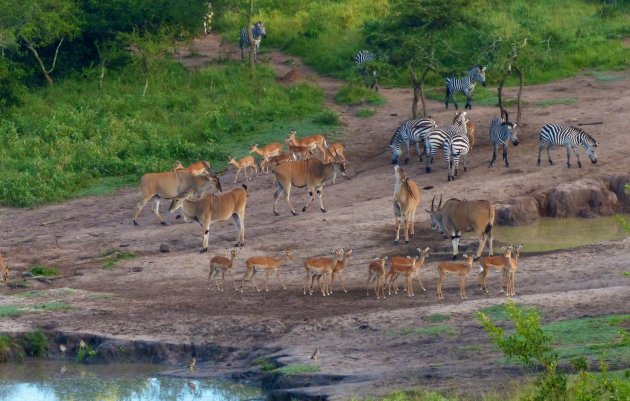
(163,296)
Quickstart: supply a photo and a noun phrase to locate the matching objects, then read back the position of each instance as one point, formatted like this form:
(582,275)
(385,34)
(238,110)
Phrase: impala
(407,267)
(406,201)
(269,265)
(460,269)
(197,168)
(243,164)
(318,141)
(211,208)
(321,267)
(4,270)
(376,275)
(222,264)
(271,150)
(501,263)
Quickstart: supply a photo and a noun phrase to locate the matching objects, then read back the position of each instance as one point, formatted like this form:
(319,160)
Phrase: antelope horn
(440,204)
(331,153)
(208,168)
(433,202)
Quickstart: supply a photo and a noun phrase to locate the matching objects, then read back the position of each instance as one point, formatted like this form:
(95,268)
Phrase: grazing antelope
(461,269)
(4,271)
(406,201)
(172,183)
(338,269)
(462,215)
(222,264)
(196,168)
(408,267)
(321,267)
(500,262)
(269,265)
(303,151)
(273,149)
(211,208)
(311,173)
(242,164)
(319,141)
(376,275)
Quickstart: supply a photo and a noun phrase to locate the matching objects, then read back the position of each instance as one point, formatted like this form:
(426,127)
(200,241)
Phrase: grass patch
(18,284)
(41,270)
(607,76)
(438,317)
(593,337)
(265,364)
(553,102)
(296,369)
(111,257)
(36,344)
(625,274)
(355,95)
(10,349)
(365,112)
(31,294)
(14,310)
(435,330)
(9,310)
(496,312)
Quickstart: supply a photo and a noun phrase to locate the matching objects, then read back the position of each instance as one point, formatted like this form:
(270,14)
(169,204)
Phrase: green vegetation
(296,369)
(10,349)
(265,364)
(438,317)
(434,330)
(9,310)
(111,257)
(354,95)
(365,112)
(553,102)
(40,270)
(14,310)
(496,313)
(68,137)
(85,351)
(36,344)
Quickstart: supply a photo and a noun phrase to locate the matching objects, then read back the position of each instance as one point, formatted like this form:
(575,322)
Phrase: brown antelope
(460,269)
(471,132)
(319,141)
(222,264)
(303,151)
(513,265)
(242,164)
(269,265)
(273,149)
(501,263)
(321,267)
(196,168)
(211,208)
(338,269)
(4,271)
(376,275)
(462,215)
(172,183)
(311,173)
(275,160)
(406,201)
(407,267)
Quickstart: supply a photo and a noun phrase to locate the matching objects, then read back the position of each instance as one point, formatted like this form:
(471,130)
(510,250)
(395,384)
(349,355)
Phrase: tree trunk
(40,62)
(416,93)
(500,94)
(521,81)
(423,99)
(250,36)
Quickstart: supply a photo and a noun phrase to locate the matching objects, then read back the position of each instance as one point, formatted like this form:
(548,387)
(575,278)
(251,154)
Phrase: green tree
(38,24)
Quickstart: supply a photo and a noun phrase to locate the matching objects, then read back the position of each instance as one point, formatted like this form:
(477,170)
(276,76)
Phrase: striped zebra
(456,144)
(558,135)
(410,131)
(361,60)
(436,138)
(466,85)
(258,32)
(502,131)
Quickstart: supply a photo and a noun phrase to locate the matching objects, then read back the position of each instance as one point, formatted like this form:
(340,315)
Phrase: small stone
(136,269)
(44,280)
(27,274)
(164,248)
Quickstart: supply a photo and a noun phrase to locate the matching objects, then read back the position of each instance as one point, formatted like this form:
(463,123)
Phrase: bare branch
(55,58)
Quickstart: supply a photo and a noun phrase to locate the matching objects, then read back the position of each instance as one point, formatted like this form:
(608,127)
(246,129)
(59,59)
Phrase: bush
(354,95)
(40,270)
(36,344)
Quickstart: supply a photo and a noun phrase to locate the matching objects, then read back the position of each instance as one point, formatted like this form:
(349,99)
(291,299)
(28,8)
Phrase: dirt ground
(163,296)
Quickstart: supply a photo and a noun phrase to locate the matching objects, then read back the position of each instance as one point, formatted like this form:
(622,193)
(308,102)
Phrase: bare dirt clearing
(163,296)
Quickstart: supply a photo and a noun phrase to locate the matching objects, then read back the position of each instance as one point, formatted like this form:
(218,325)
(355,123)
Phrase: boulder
(582,198)
(519,211)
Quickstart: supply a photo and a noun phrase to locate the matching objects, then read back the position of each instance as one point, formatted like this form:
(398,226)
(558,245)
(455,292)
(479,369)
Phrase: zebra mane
(585,134)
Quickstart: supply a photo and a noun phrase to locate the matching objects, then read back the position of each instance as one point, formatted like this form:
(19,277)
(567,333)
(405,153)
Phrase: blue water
(58,381)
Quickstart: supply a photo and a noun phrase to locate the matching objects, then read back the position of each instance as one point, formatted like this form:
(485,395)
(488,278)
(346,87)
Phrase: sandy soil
(163,296)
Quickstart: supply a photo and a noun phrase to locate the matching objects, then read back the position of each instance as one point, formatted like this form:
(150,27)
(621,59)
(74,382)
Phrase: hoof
(276,213)
(406,161)
(179,216)
(203,250)
(454,257)
(163,223)
(396,242)
(428,170)
(323,210)
(293,212)
(135,223)
(406,241)
(304,209)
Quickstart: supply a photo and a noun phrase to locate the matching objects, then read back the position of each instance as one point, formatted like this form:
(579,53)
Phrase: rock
(518,212)
(136,269)
(586,197)
(43,280)
(617,184)
(164,248)
(27,274)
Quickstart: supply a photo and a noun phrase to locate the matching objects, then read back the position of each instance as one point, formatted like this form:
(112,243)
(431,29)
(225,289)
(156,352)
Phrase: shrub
(36,344)
(40,270)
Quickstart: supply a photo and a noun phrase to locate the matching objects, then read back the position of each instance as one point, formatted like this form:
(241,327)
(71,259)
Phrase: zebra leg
(468,105)
(505,158)
(494,155)
(540,148)
(418,150)
(568,156)
(549,153)
(577,155)
(408,152)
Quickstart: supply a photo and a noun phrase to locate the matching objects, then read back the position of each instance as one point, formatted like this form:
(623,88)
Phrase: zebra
(502,131)
(456,144)
(558,135)
(361,60)
(410,131)
(258,32)
(436,138)
(465,85)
